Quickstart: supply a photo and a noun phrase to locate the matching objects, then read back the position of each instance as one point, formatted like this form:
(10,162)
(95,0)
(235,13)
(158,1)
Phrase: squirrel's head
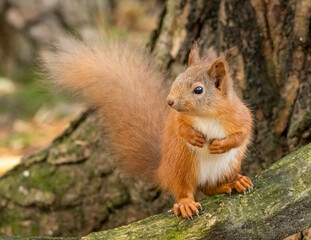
(204,83)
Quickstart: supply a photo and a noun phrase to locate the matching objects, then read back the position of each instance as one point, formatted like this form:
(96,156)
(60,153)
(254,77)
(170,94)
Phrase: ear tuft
(218,71)
(194,56)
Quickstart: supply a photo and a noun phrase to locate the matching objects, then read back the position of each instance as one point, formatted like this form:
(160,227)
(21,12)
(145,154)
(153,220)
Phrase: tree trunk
(71,188)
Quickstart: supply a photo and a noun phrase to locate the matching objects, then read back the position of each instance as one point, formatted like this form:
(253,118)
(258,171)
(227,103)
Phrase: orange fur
(153,143)
(122,82)
(178,172)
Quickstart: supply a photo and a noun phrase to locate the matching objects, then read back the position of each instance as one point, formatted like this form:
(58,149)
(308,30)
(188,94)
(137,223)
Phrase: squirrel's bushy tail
(126,88)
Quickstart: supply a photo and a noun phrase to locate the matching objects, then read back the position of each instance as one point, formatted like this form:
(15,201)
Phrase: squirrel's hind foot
(241,183)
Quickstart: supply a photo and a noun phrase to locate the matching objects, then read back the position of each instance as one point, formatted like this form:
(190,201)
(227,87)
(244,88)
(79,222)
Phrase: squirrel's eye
(198,90)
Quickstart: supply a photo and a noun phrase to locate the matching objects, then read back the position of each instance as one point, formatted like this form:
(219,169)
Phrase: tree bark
(72,188)
(278,206)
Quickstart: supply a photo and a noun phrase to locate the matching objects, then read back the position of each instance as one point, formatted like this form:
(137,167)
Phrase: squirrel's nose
(170,102)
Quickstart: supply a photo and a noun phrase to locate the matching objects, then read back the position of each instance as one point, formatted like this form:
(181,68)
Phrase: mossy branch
(278,206)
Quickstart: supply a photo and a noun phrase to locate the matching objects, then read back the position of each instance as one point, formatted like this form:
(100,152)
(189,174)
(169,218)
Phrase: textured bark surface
(278,206)
(71,188)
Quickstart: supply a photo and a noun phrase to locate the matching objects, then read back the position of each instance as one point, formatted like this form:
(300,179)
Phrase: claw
(187,209)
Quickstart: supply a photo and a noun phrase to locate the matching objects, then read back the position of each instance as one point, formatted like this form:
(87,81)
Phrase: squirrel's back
(128,91)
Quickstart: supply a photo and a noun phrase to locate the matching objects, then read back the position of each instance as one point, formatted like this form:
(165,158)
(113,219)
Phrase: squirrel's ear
(194,56)
(218,71)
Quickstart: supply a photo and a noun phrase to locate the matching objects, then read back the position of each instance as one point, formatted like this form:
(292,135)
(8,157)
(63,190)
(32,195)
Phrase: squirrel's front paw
(187,208)
(219,146)
(196,138)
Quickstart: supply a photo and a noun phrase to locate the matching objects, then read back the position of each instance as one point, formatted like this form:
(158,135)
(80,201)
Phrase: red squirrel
(194,138)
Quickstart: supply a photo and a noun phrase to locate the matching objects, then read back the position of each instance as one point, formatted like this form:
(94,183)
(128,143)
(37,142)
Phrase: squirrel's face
(192,91)
(198,90)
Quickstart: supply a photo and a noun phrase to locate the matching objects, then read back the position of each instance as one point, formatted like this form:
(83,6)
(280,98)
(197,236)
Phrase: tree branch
(278,206)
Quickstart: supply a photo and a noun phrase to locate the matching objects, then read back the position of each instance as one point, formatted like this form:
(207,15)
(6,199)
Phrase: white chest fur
(212,166)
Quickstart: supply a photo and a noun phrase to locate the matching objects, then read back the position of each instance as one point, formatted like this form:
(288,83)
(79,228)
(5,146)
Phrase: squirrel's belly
(213,167)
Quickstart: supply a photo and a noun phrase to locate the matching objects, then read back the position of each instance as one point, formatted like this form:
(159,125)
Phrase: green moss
(29,186)
(40,156)
(39,177)
(61,181)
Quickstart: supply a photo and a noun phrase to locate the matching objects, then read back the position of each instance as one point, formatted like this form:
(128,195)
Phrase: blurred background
(31,115)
